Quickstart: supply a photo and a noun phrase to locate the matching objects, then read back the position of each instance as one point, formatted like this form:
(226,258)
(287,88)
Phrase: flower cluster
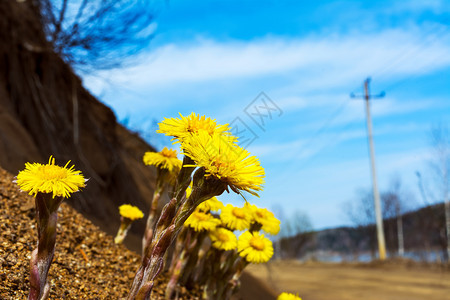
(214,242)
(213,163)
(217,259)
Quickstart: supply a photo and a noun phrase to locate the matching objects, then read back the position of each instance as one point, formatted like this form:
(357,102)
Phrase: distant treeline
(423,230)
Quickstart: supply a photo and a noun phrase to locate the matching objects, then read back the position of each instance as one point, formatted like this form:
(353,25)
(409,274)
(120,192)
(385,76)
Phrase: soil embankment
(44,110)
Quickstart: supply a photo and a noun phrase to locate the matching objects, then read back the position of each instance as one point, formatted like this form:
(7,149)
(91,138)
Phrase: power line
(426,40)
(325,125)
(441,34)
(330,142)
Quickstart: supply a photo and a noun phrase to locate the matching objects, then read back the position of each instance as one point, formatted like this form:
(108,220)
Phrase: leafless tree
(440,166)
(394,206)
(361,212)
(296,231)
(96,34)
(298,222)
(434,183)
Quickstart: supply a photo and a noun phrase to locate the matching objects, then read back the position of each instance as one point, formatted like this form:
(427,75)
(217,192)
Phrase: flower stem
(168,228)
(42,256)
(148,234)
(125,225)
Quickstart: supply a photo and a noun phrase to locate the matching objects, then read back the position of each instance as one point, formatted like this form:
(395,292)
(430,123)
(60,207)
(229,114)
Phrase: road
(387,281)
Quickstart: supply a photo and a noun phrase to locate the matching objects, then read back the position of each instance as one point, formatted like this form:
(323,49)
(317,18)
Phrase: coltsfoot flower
(201,221)
(266,218)
(223,239)
(50,178)
(236,218)
(254,247)
(192,124)
(165,159)
(212,204)
(288,296)
(49,184)
(130,212)
(223,159)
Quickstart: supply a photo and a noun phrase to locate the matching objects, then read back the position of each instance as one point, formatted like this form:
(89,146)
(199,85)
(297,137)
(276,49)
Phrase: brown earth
(87,263)
(394,280)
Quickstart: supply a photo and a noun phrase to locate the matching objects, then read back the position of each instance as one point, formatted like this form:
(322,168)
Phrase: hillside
(423,232)
(44,110)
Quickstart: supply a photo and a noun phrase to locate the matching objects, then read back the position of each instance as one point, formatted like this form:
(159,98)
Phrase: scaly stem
(187,277)
(168,228)
(42,256)
(159,189)
(179,266)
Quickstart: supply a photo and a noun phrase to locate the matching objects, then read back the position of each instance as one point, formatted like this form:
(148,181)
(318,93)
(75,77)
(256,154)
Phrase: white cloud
(292,103)
(320,61)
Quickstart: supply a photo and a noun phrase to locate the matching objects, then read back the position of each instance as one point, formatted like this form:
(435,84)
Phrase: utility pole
(376,194)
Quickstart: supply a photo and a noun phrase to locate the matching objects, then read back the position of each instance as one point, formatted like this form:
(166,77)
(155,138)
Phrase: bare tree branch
(97,34)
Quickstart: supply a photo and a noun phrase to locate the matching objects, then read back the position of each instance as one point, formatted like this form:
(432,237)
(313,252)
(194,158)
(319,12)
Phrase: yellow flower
(223,239)
(254,247)
(266,218)
(212,204)
(166,159)
(224,160)
(288,296)
(200,221)
(236,218)
(50,178)
(192,124)
(130,212)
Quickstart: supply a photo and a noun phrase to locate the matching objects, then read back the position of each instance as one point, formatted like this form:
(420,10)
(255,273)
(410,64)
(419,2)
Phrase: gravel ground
(87,263)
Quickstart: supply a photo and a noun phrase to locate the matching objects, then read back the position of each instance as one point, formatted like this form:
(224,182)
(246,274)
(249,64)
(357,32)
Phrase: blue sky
(215,57)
